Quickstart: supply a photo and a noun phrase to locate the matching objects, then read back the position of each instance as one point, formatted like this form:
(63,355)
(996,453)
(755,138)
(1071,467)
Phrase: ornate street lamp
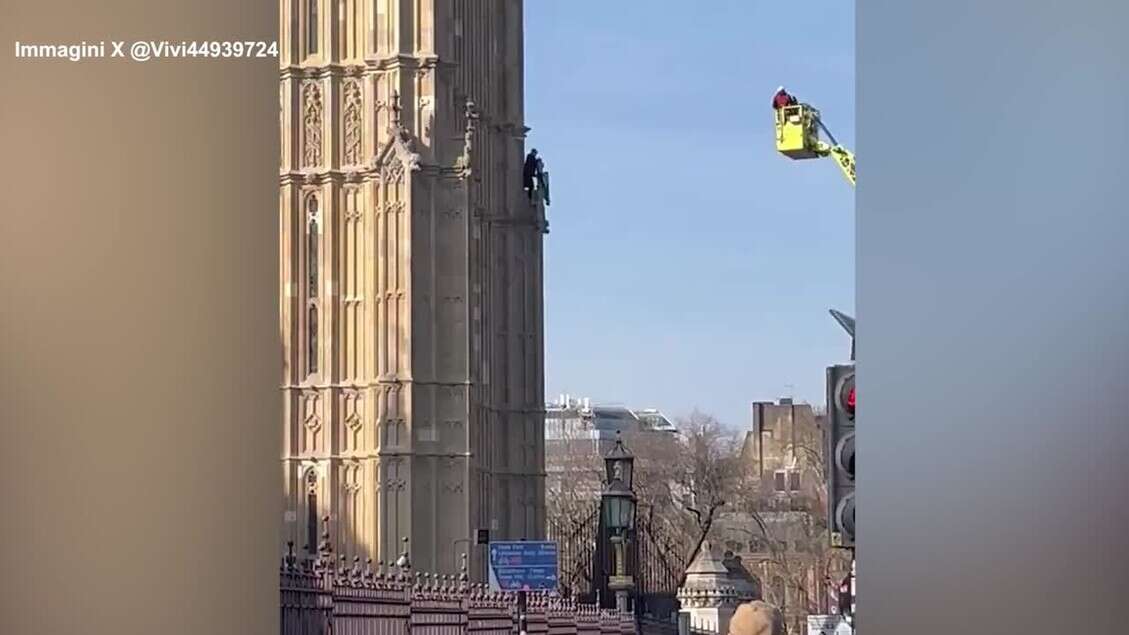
(619,464)
(617,510)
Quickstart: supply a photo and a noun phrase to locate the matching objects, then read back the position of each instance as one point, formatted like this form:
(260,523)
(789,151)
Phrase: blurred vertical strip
(994,348)
(139,353)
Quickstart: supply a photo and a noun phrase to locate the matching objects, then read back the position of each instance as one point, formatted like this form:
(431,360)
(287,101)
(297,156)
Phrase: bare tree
(574,477)
(797,557)
(795,540)
(702,478)
(685,483)
(573,481)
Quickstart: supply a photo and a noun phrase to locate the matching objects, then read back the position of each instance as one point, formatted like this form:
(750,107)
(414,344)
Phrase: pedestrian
(757,618)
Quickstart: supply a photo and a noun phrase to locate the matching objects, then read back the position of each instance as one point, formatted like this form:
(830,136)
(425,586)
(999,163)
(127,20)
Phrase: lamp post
(617,508)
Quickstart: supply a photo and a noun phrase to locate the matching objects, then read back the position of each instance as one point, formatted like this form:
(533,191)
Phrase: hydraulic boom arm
(846,160)
(797,137)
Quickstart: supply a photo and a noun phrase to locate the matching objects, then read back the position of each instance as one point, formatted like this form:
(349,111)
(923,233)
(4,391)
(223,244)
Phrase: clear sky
(688,264)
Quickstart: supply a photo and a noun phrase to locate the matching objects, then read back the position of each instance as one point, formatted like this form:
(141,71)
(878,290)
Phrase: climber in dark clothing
(529,171)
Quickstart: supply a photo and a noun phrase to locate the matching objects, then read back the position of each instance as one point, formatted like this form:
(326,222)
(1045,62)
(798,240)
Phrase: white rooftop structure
(579,418)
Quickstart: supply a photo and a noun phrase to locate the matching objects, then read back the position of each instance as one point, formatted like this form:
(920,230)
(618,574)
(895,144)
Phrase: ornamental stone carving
(352,410)
(311,125)
(310,410)
(352,123)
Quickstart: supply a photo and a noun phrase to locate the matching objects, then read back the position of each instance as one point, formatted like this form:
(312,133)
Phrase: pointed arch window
(311,26)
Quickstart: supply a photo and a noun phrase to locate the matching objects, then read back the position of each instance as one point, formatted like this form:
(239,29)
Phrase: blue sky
(689,265)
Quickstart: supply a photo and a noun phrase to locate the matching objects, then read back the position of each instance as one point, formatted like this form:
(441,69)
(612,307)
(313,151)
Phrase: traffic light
(841,454)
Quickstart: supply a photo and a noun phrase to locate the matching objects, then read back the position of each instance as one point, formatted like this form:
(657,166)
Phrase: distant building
(655,420)
(578,434)
(570,421)
(783,450)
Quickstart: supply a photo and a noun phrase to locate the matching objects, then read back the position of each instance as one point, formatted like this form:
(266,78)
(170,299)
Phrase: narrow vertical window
(312,354)
(312,26)
(312,235)
(312,512)
(313,255)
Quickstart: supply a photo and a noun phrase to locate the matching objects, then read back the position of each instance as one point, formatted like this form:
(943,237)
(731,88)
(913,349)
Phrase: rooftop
(607,417)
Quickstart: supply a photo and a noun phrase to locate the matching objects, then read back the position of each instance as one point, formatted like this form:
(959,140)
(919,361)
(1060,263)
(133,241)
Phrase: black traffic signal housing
(840,455)
(844,596)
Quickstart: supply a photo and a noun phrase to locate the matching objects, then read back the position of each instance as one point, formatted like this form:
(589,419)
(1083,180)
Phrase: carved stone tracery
(310,411)
(464,162)
(353,126)
(352,410)
(312,125)
(352,481)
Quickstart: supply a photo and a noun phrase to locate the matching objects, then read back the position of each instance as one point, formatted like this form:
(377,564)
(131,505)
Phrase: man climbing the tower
(529,171)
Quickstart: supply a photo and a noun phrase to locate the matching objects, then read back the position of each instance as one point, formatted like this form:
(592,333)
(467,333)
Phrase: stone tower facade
(411,280)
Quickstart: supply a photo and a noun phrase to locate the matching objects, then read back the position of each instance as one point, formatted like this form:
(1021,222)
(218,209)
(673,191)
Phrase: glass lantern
(619,464)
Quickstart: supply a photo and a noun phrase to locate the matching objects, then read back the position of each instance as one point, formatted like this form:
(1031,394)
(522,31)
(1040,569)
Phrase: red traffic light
(846,396)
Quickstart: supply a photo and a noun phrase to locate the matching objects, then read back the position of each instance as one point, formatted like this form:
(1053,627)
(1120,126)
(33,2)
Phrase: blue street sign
(523,566)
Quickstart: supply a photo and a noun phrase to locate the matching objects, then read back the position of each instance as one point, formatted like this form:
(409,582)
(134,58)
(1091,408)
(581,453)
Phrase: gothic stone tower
(411,280)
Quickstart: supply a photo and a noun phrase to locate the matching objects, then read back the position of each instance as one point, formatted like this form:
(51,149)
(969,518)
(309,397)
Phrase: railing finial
(405,561)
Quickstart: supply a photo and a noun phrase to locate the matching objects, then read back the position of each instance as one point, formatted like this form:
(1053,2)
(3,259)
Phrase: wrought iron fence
(659,564)
(324,596)
(655,559)
(576,551)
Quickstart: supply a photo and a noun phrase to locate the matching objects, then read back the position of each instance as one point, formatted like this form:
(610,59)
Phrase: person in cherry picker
(782,99)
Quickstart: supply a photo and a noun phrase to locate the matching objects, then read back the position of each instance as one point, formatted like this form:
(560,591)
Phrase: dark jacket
(529,171)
